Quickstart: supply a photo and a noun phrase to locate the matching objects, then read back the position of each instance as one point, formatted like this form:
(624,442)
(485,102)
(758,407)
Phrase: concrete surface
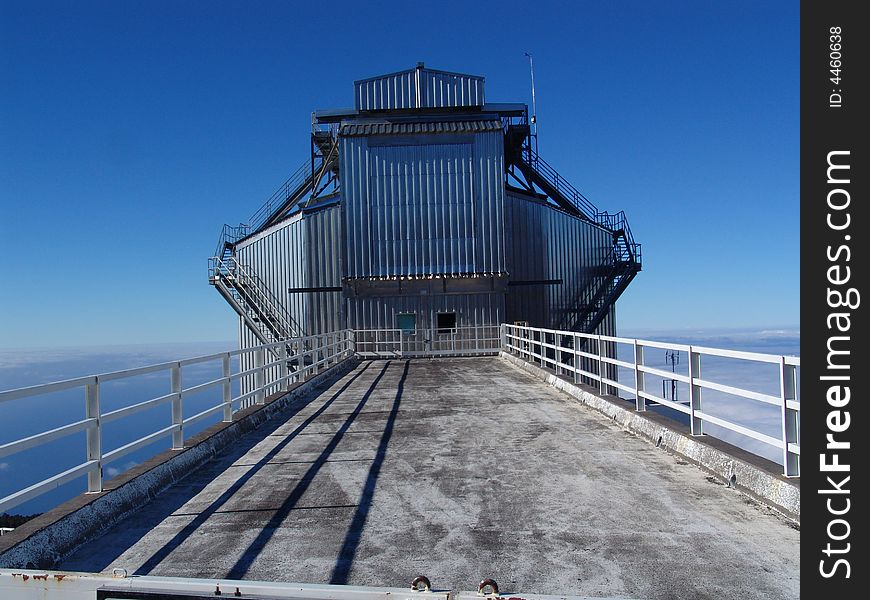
(749,473)
(49,538)
(457,469)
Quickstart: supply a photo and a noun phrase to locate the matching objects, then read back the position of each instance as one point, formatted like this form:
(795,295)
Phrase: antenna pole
(534,108)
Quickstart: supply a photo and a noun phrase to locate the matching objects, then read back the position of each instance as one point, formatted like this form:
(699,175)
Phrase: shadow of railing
(255,548)
(341,571)
(155,559)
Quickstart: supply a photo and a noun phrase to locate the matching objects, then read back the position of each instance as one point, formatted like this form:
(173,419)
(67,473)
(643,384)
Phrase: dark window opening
(446,322)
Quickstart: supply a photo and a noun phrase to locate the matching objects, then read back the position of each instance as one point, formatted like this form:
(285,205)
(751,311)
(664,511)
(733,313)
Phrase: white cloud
(4,466)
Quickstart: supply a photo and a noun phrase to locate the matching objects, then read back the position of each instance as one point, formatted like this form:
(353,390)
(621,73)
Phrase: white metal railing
(275,366)
(269,368)
(592,359)
(431,342)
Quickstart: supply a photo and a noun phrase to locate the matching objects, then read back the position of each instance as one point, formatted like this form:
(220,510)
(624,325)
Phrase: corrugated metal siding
(420,209)
(420,128)
(547,244)
(278,256)
(323,249)
(302,252)
(419,88)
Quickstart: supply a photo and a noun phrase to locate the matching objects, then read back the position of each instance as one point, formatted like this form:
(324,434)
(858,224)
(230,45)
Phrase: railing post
(227,388)
(695,392)
(283,371)
(318,352)
(575,362)
(260,375)
(502,337)
(307,356)
(330,349)
(177,407)
(601,385)
(294,355)
(638,377)
(790,419)
(94,437)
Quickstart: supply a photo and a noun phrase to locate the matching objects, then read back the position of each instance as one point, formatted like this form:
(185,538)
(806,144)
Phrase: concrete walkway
(457,469)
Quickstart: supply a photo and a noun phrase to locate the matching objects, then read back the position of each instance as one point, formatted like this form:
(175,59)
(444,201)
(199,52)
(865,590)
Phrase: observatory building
(426,210)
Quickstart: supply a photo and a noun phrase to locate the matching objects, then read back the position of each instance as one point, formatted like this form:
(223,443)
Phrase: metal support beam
(283,371)
(227,389)
(260,376)
(600,344)
(177,407)
(94,437)
(638,377)
(695,392)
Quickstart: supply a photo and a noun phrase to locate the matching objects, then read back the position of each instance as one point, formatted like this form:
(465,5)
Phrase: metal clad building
(425,208)
(423,200)
(418,88)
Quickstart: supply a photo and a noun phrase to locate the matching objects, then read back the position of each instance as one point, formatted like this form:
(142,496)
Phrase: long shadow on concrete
(341,571)
(215,506)
(249,556)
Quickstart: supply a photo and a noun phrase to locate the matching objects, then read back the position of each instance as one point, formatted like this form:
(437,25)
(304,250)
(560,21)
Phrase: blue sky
(131,131)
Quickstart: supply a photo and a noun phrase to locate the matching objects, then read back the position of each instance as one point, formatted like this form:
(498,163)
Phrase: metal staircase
(249,295)
(621,264)
(607,284)
(243,289)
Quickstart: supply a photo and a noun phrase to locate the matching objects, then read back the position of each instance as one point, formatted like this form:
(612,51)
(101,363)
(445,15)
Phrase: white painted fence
(591,359)
(271,373)
(270,368)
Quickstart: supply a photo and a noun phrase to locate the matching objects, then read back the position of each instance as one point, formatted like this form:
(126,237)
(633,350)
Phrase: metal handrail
(230,235)
(301,357)
(570,353)
(610,221)
(279,196)
(320,350)
(272,308)
(560,183)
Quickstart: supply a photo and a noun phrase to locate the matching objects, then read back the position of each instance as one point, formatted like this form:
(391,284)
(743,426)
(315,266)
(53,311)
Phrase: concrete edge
(773,490)
(47,539)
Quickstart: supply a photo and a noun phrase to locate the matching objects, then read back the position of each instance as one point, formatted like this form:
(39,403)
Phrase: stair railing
(270,307)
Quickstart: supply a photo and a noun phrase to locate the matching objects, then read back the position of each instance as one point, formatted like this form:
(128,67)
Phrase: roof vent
(421,65)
